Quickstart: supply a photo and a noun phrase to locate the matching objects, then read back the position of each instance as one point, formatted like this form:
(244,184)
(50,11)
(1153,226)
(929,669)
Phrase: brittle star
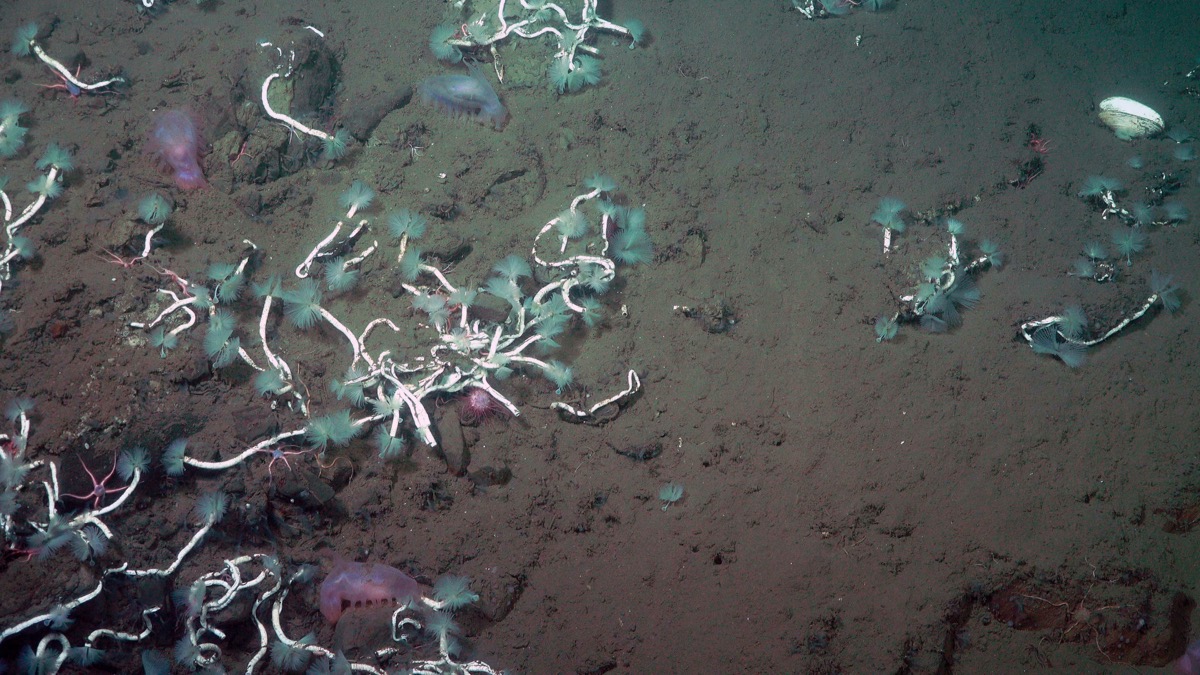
(66,85)
(278,454)
(100,488)
(1039,145)
(118,260)
(241,153)
(175,278)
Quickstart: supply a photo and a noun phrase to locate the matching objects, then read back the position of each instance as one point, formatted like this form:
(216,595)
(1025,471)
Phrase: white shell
(1129,118)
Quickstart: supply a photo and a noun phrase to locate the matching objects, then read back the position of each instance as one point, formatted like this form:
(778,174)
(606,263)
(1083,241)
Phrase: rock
(361,631)
(454,450)
(315,75)
(366,113)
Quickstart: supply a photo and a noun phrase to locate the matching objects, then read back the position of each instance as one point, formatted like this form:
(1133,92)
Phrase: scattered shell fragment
(1129,119)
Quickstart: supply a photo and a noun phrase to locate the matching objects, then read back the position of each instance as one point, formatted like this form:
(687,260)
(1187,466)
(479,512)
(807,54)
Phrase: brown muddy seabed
(940,503)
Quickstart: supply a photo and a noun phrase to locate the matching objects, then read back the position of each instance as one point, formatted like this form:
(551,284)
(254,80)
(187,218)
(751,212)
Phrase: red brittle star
(100,488)
(175,278)
(65,84)
(278,454)
(118,260)
(1039,145)
(241,153)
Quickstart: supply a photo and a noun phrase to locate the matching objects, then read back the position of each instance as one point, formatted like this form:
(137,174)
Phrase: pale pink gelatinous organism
(176,145)
(353,584)
(468,95)
(1189,663)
